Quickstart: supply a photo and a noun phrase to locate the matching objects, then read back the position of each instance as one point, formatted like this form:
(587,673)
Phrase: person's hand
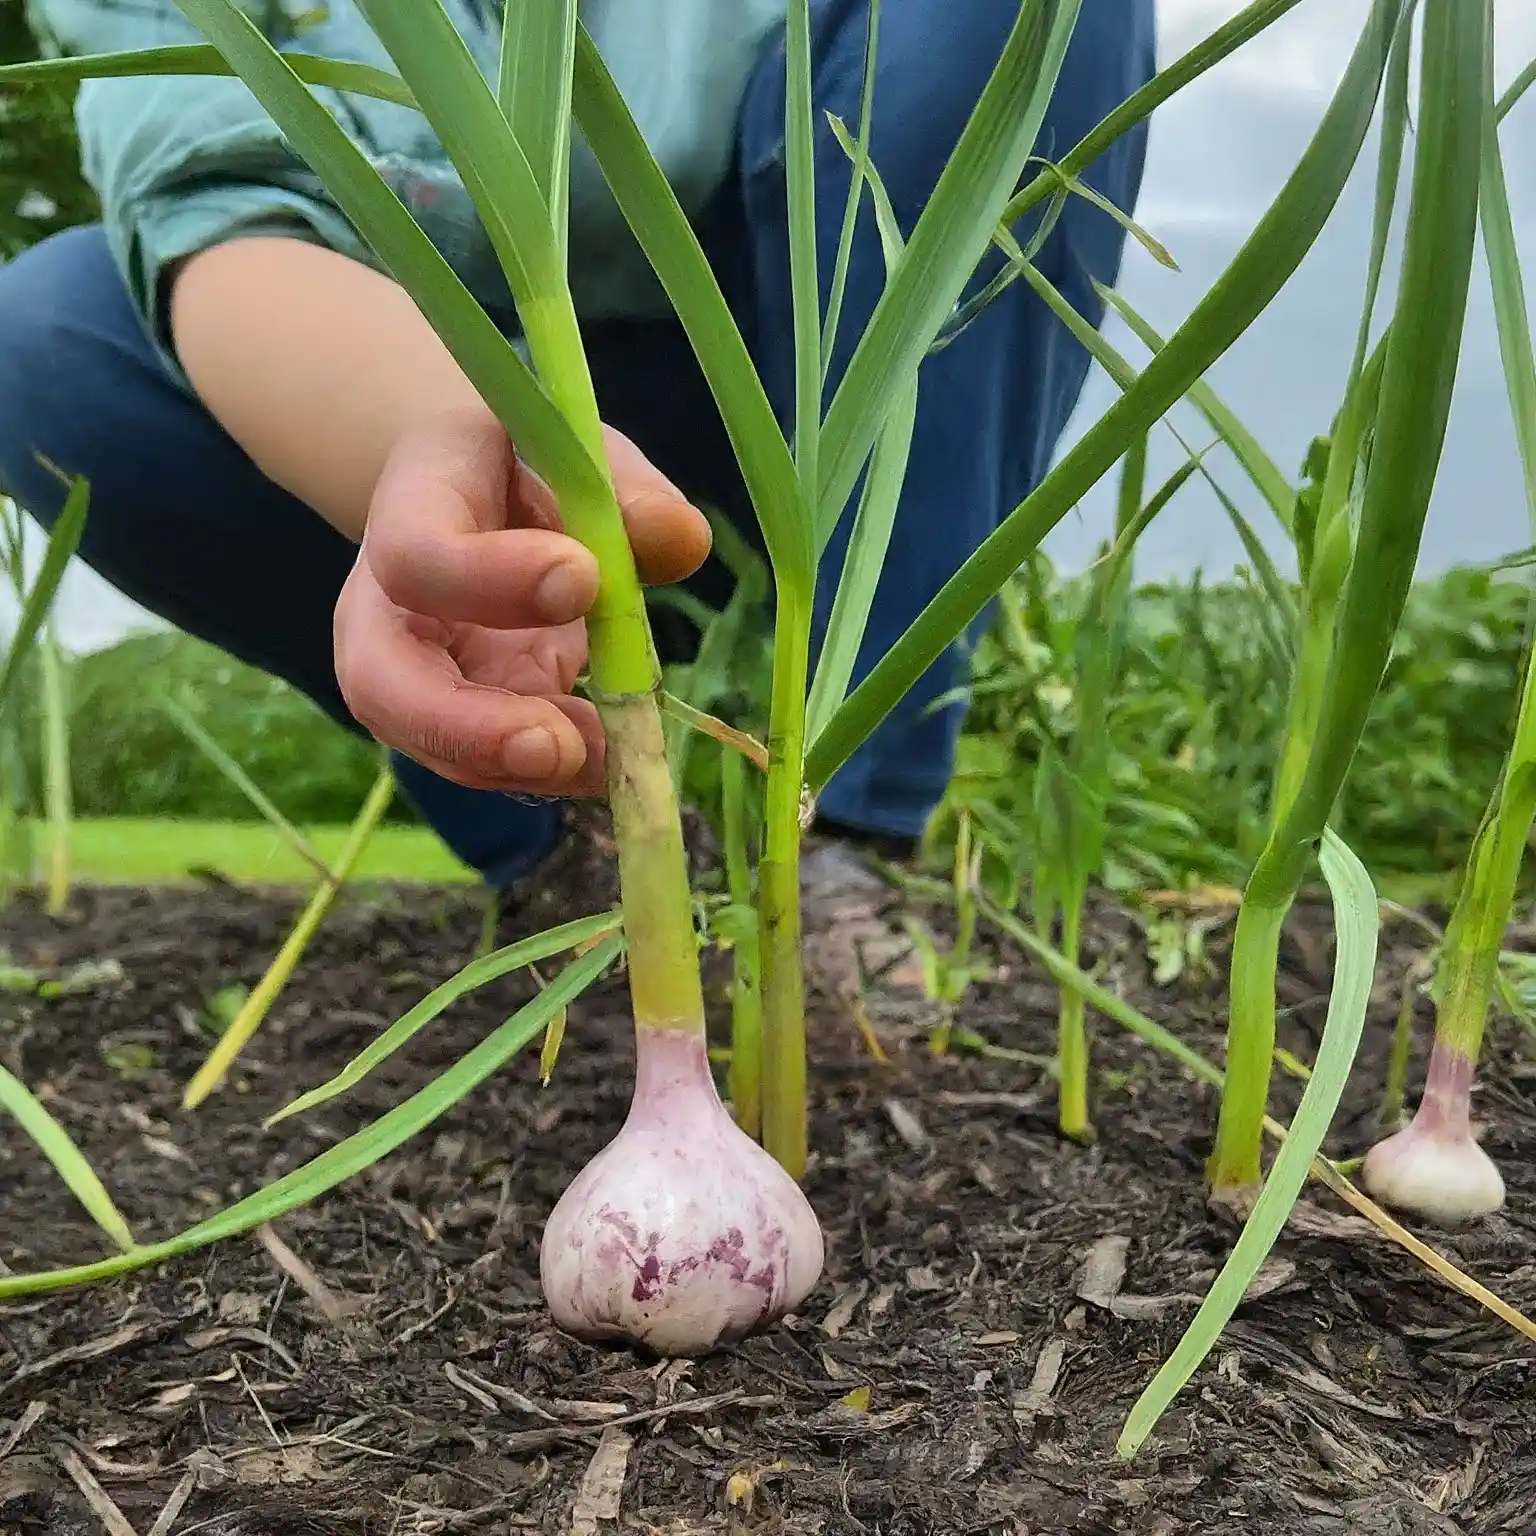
(459,632)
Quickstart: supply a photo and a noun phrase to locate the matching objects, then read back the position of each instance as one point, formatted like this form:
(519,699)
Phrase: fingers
(459,530)
(671,538)
(669,535)
(588,783)
(533,661)
(408,692)
(438,539)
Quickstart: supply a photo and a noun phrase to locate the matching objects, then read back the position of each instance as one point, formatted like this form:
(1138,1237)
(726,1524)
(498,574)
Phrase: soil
(994,1301)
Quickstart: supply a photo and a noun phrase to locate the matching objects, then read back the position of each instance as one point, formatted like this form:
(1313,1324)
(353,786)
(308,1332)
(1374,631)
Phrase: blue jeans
(185,524)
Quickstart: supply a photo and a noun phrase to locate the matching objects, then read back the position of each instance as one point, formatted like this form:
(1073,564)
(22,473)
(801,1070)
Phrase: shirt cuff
(163,230)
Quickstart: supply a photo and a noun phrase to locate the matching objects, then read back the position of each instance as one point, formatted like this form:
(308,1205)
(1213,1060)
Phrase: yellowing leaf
(553,1035)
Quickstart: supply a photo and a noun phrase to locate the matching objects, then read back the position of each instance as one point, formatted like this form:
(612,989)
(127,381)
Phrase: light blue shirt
(182,163)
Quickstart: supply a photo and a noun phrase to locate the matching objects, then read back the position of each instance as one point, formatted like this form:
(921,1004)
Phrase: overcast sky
(1219,153)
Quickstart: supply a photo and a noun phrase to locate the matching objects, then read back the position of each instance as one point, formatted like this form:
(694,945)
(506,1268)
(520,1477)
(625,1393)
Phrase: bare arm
(456,635)
(315,364)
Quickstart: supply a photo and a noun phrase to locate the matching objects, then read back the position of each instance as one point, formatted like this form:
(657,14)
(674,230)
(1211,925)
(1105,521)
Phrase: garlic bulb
(1445,1181)
(682,1234)
(1434,1168)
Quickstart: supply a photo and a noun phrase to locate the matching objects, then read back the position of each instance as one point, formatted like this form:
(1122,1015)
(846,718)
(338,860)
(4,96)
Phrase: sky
(1218,154)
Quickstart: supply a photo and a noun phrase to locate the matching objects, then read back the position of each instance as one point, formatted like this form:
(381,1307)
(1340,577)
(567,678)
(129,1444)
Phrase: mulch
(995,1298)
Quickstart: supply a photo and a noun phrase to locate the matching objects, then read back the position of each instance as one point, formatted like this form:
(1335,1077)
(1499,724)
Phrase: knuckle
(393,558)
(435,741)
(414,569)
(469,754)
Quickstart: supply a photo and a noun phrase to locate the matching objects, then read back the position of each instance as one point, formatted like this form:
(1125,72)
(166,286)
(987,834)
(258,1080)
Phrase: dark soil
(949,1375)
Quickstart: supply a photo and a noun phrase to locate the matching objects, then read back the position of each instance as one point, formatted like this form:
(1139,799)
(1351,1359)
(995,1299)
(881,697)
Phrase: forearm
(313,363)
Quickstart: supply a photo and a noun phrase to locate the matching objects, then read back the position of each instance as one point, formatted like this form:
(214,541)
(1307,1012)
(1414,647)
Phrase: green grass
(139,852)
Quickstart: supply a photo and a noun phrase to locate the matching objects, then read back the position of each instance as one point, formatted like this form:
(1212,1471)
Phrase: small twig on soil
(469,1388)
(335,1436)
(481,1389)
(112,1518)
(130,1470)
(254,1336)
(330,1305)
(697,1405)
(23,1426)
(174,1505)
(453,1519)
(78,1354)
(266,1418)
(492,1396)
(277,1304)
(425,1323)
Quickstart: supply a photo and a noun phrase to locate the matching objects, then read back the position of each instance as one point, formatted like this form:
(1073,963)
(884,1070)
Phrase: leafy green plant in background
(949,971)
(1189,729)
(136,758)
(58,801)
(258,1004)
(265,993)
(1072,789)
(516,178)
(728,677)
(1197,708)
(41,188)
(34,606)
(1194,718)
(736,925)
(15,795)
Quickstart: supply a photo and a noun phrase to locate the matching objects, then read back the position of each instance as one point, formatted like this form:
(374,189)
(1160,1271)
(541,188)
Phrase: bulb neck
(672,1071)
(1445,1110)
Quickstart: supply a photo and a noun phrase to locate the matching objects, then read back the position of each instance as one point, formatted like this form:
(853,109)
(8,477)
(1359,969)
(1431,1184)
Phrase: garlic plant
(684,1234)
(1434,1167)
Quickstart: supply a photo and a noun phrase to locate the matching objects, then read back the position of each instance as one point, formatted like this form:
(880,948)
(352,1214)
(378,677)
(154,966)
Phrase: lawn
(159,851)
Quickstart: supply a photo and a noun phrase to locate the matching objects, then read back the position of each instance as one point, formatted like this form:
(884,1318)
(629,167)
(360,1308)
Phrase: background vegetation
(1193,724)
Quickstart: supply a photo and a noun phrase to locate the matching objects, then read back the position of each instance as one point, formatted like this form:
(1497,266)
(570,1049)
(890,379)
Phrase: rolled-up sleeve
(179,163)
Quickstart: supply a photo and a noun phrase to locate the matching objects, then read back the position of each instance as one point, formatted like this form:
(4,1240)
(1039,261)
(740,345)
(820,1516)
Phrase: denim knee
(45,367)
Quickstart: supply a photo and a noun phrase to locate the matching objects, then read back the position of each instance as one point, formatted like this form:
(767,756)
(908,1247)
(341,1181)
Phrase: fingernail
(559,595)
(532,754)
